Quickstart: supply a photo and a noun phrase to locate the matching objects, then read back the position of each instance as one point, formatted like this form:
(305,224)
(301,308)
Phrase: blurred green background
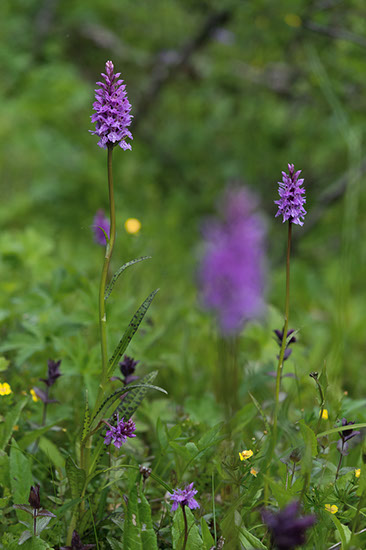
(221,91)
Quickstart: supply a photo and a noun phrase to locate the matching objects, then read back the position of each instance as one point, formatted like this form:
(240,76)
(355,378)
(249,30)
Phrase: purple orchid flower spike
(292,199)
(232,270)
(112,111)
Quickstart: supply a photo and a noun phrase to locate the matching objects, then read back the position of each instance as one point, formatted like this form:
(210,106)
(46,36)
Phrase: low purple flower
(112,111)
(128,367)
(279,336)
(184,497)
(231,274)
(34,498)
(53,372)
(100,223)
(292,199)
(346,435)
(287,527)
(76,543)
(118,434)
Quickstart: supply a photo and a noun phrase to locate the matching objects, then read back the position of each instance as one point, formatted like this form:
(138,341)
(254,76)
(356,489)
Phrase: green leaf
(35,434)
(208,539)
(115,277)
(194,541)
(148,535)
(132,530)
(135,394)
(342,530)
(86,426)
(130,332)
(134,397)
(21,478)
(249,541)
(114,543)
(4,363)
(11,419)
(52,452)
(341,429)
(311,446)
(282,495)
(76,477)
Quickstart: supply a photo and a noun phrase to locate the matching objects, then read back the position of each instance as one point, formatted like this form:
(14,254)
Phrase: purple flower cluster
(112,111)
(100,223)
(53,372)
(291,203)
(184,497)
(232,268)
(118,434)
(287,527)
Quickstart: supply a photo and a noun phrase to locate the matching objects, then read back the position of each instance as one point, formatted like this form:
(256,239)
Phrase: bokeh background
(221,92)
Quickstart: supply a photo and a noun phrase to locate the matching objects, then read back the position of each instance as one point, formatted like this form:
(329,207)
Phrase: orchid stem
(103,281)
(284,337)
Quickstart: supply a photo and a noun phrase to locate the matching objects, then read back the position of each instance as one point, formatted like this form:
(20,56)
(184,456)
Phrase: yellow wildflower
(16,428)
(254,472)
(34,395)
(325,414)
(244,455)
(332,508)
(5,389)
(132,226)
(293,20)
(358,472)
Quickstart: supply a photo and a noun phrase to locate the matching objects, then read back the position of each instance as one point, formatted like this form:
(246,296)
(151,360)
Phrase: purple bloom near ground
(112,111)
(184,497)
(53,372)
(118,434)
(287,527)
(100,221)
(291,203)
(231,274)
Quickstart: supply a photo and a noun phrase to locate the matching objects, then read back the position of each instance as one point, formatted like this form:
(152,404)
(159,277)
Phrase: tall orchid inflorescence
(292,199)
(232,268)
(112,111)
(291,207)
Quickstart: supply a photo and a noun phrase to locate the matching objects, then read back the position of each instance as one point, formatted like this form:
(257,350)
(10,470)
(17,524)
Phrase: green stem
(284,337)
(185,528)
(86,444)
(273,440)
(103,282)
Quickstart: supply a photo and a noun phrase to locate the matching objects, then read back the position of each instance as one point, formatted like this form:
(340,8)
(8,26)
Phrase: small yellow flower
(325,414)
(332,508)
(254,472)
(132,226)
(244,455)
(16,428)
(34,395)
(293,20)
(358,472)
(5,389)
